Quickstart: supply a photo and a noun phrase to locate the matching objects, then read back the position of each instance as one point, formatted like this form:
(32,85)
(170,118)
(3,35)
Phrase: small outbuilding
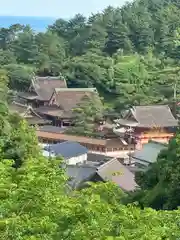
(72,152)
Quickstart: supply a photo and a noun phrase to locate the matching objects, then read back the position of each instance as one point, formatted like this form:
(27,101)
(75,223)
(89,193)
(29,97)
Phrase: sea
(38,24)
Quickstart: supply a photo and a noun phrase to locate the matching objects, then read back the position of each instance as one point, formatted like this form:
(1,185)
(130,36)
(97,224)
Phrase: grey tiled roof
(116,172)
(79,174)
(149,152)
(93,157)
(112,171)
(154,116)
(67,149)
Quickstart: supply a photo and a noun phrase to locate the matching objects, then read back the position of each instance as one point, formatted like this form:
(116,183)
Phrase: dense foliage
(160,183)
(18,141)
(35,203)
(85,116)
(130,54)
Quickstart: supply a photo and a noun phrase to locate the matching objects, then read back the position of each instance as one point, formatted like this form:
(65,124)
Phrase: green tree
(88,112)
(35,205)
(118,38)
(24,46)
(7,57)
(51,53)
(94,52)
(21,143)
(4,113)
(160,187)
(35,193)
(19,76)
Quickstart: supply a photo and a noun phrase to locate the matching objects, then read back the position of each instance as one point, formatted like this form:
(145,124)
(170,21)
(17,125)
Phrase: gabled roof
(26,112)
(154,116)
(117,173)
(44,86)
(79,174)
(149,152)
(112,171)
(21,109)
(18,108)
(69,98)
(67,149)
(150,116)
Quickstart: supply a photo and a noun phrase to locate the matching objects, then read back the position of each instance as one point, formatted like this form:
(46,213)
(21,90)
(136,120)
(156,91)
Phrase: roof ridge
(35,112)
(158,105)
(55,77)
(75,89)
(107,163)
(69,142)
(82,166)
(32,110)
(20,104)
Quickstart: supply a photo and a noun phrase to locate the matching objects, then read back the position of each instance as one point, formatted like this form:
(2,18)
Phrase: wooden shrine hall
(41,90)
(144,123)
(51,100)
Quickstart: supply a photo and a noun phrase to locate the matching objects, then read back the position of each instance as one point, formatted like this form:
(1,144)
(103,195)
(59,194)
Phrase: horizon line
(28,16)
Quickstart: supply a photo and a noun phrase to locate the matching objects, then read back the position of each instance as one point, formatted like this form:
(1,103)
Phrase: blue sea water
(38,24)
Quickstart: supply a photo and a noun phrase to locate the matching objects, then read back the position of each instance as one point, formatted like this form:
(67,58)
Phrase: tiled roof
(57,134)
(44,86)
(154,116)
(79,174)
(112,171)
(54,111)
(34,120)
(19,108)
(27,112)
(149,152)
(69,98)
(76,90)
(67,149)
(125,122)
(27,95)
(67,137)
(92,157)
(116,172)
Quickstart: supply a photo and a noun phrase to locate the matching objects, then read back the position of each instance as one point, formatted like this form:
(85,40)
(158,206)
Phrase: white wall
(78,159)
(71,161)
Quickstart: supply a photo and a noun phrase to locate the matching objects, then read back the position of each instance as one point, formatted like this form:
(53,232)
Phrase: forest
(131,55)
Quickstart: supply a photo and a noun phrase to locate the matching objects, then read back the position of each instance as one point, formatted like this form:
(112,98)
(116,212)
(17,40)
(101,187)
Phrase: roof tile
(44,86)
(154,116)
(116,172)
(68,149)
(69,98)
